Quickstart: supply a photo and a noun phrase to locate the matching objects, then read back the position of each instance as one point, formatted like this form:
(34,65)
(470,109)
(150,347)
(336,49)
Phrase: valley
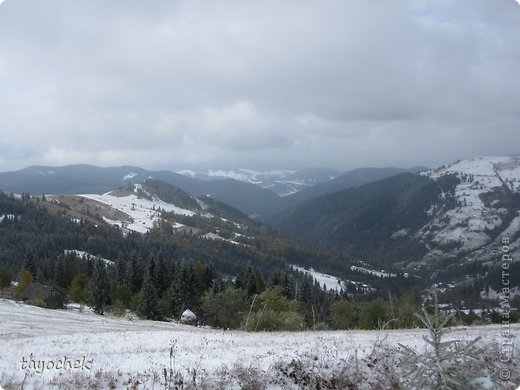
(362,258)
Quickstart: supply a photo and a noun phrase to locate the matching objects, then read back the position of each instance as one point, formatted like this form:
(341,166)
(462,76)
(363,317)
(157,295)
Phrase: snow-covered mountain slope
(157,204)
(141,212)
(451,225)
(486,208)
(284,182)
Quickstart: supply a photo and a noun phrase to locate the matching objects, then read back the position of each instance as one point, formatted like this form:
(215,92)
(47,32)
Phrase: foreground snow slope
(124,348)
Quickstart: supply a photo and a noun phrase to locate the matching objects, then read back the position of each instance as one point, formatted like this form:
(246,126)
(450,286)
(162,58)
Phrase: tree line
(158,276)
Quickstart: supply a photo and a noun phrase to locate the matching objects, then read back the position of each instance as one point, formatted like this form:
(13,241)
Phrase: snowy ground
(122,349)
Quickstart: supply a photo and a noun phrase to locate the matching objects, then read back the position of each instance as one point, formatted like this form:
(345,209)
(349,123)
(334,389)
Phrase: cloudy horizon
(261,85)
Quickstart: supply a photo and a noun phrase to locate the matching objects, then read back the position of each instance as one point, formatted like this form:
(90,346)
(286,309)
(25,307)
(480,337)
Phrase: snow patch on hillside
(142,212)
(214,236)
(468,224)
(9,217)
(186,172)
(250,176)
(86,255)
(381,274)
(330,282)
(284,182)
(130,175)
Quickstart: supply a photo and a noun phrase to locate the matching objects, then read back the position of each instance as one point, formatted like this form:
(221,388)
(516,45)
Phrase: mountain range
(441,226)
(257,194)
(283,182)
(449,223)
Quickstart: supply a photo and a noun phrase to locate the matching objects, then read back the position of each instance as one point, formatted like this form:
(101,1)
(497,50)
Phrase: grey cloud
(284,84)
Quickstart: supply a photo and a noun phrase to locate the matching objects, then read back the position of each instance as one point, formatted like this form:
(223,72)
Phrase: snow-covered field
(115,351)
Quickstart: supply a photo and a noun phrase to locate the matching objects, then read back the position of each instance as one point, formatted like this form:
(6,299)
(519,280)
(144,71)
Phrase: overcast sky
(258,84)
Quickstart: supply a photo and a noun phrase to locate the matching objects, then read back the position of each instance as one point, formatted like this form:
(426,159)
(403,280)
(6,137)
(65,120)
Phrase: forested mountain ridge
(68,242)
(445,224)
(284,182)
(82,178)
(256,194)
(354,178)
(440,226)
(362,220)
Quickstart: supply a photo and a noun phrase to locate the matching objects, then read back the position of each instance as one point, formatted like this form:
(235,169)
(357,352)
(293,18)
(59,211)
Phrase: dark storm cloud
(246,83)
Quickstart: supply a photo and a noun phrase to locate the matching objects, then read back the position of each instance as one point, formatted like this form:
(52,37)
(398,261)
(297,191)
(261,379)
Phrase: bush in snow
(312,370)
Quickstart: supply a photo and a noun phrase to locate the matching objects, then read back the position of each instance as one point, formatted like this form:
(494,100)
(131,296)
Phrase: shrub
(226,308)
(270,320)
(26,278)
(374,315)
(345,314)
(272,311)
(80,288)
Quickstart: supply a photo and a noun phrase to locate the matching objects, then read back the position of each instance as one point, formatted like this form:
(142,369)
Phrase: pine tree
(446,364)
(162,276)
(100,287)
(151,269)
(184,290)
(251,280)
(59,273)
(305,289)
(287,284)
(70,270)
(120,269)
(134,277)
(148,307)
(30,262)
(210,276)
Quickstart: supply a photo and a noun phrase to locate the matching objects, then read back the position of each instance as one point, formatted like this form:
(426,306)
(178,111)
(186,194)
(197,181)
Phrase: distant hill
(361,220)
(354,178)
(440,228)
(450,221)
(254,193)
(71,179)
(281,181)
(84,179)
